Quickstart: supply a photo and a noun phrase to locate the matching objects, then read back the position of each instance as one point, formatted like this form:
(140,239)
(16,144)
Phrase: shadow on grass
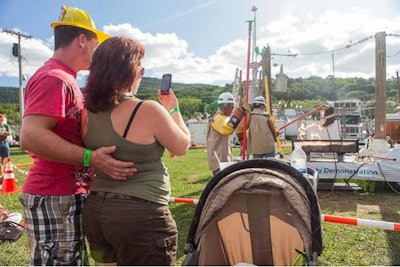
(393,239)
(202,181)
(183,215)
(382,205)
(18,152)
(393,216)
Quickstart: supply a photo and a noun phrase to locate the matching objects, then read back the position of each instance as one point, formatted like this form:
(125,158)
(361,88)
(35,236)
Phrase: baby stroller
(256,212)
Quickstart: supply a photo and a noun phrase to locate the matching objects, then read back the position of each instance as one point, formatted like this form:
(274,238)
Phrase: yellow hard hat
(73,16)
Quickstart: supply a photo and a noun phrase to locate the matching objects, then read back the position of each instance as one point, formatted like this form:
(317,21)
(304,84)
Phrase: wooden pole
(398,84)
(380,93)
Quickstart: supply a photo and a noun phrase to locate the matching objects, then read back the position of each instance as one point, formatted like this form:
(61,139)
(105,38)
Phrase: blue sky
(205,41)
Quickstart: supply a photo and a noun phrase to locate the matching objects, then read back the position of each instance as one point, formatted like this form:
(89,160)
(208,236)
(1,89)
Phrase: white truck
(348,112)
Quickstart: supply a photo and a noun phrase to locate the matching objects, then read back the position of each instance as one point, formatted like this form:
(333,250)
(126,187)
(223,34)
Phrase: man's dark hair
(64,35)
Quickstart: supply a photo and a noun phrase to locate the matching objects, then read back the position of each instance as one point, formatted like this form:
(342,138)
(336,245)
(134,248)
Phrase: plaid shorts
(55,230)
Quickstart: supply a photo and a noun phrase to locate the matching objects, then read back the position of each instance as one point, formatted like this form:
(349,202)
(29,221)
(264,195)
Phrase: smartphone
(166,83)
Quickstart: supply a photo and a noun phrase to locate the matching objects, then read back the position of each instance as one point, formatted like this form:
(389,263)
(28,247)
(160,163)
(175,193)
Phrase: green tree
(189,106)
(12,113)
(357,94)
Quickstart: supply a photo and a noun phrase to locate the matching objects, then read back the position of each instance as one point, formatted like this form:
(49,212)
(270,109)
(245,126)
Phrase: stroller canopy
(261,212)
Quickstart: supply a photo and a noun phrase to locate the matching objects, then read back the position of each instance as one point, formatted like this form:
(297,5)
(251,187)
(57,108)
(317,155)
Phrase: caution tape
(23,164)
(325,218)
(19,170)
(184,200)
(361,222)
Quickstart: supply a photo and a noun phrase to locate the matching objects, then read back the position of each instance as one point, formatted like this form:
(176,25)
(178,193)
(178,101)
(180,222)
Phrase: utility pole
(398,83)
(266,70)
(17,53)
(254,64)
(380,93)
(247,92)
(253,54)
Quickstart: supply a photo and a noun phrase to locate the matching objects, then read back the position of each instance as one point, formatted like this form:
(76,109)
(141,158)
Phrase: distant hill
(9,95)
(147,90)
(306,93)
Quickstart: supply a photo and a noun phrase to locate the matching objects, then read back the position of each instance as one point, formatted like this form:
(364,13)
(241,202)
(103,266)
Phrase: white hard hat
(226,98)
(259,100)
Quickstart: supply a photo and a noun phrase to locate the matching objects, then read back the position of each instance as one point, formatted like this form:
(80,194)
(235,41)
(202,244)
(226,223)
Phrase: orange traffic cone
(9,183)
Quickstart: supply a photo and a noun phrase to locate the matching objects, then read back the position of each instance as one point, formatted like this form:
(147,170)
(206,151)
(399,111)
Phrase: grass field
(344,245)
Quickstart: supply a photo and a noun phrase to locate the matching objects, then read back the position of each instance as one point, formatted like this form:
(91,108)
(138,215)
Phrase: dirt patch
(382,204)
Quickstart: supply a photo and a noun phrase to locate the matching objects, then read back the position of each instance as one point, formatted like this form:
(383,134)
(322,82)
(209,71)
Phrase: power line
(398,52)
(326,52)
(17,53)
(337,49)
(19,34)
(393,34)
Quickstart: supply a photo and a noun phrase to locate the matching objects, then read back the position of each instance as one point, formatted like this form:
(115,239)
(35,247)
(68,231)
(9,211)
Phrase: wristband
(86,157)
(175,109)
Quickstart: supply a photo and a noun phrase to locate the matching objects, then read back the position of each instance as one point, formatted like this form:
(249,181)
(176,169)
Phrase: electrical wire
(386,181)
(328,51)
(338,49)
(354,173)
(341,137)
(383,175)
(394,54)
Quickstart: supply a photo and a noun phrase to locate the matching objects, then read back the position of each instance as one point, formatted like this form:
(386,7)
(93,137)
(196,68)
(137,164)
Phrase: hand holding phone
(166,83)
(168,99)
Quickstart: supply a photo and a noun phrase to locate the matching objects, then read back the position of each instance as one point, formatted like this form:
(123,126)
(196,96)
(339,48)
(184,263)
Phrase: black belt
(115,195)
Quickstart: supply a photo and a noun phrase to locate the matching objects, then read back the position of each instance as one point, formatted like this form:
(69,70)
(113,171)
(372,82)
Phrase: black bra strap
(131,118)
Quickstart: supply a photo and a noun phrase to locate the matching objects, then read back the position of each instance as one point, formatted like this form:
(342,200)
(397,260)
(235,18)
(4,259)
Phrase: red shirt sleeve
(46,97)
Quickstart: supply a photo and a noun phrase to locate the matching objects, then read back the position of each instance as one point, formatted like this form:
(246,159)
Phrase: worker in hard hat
(55,189)
(261,131)
(219,128)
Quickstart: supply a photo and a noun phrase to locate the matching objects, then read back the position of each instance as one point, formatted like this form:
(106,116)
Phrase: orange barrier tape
(23,164)
(325,218)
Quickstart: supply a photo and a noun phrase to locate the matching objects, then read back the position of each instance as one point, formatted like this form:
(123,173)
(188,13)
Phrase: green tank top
(150,182)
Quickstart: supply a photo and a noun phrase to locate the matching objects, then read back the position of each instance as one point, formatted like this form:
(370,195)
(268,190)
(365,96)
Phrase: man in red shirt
(55,190)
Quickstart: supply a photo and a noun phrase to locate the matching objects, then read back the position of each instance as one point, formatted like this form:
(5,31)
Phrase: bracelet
(86,157)
(175,109)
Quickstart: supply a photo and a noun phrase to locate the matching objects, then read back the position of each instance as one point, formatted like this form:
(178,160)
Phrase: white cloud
(314,35)
(166,52)
(34,53)
(298,30)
